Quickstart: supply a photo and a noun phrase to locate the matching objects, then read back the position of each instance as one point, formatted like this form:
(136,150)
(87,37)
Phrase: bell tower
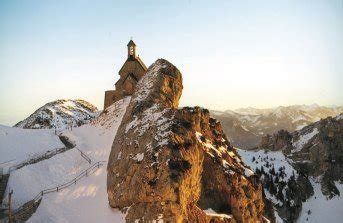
(131,50)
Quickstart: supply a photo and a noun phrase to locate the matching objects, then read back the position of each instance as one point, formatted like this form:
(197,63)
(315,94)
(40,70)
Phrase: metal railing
(60,187)
(71,182)
(8,161)
(85,156)
(45,155)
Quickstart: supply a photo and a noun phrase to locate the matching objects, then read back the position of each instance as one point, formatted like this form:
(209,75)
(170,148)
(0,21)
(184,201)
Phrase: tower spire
(131,49)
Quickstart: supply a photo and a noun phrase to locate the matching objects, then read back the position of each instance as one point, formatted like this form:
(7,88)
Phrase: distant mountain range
(245,127)
(60,114)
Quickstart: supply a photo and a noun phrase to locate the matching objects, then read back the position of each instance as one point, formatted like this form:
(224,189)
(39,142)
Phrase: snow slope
(86,201)
(17,145)
(276,159)
(262,158)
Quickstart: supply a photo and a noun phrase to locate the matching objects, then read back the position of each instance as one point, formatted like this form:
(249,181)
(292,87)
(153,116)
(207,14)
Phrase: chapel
(130,73)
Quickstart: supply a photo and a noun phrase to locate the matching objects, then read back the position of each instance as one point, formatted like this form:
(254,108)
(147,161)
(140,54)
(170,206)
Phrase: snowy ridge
(60,114)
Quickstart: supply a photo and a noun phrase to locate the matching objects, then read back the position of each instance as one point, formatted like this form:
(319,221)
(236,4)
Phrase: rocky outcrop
(279,141)
(176,164)
(320,153)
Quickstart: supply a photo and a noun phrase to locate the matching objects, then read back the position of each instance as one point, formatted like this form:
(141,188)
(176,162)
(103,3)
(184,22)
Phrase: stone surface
(172,164)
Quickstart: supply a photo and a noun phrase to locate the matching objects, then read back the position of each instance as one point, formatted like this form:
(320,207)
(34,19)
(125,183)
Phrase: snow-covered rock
(60,114)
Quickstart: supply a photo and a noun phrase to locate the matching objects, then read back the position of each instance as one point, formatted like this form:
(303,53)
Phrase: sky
(232,54)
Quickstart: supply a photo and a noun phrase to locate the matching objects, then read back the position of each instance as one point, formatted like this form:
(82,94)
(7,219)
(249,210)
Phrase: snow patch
(138,157)
(211,212)
(303,139)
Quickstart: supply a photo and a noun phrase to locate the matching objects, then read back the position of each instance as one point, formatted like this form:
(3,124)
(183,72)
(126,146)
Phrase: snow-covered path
(87,200)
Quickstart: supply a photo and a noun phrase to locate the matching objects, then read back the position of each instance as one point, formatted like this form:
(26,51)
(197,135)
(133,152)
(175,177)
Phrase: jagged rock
(172,164)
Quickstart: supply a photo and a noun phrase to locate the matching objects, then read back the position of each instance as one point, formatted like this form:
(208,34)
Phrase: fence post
(9,206)
(57,189)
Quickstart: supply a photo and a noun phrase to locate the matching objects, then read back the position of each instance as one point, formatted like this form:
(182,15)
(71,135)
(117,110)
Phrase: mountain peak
(60,114)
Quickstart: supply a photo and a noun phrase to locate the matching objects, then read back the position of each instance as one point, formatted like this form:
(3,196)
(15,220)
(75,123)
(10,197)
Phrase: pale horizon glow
(232,54)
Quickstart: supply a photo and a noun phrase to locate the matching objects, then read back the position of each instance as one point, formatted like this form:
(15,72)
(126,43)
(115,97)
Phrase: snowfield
(85,201)
(321,208)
